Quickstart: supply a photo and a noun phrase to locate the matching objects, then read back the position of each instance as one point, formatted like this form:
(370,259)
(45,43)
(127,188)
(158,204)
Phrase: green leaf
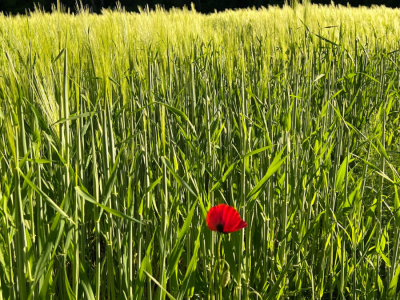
(274,167)
(46,258)
(177,177)
(382,150)
(384,257)
(324,110)
(58,56)
(319,77)
(284,271)
(74,117)
(326,40)
(47,198)
(153,185)
(380,285)
(4,261)
(232,166)
(370,77)
(342,173)
(218,133)
(223,178)
(396,206)
(67,286)
(85,283)
(159,285)
(179,113)
(111,181)
(189,280)
(46,282)
(24,159)
(144,266)
(393,283)
(116,213)
(178,248)
(41,161)
(256,151)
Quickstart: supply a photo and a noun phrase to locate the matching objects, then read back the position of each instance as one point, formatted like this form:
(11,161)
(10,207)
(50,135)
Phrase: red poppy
(225,219)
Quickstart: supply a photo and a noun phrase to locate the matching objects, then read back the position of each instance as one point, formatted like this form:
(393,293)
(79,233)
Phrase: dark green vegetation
(118,132)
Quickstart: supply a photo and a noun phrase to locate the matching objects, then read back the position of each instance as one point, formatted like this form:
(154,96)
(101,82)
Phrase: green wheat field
(119,131)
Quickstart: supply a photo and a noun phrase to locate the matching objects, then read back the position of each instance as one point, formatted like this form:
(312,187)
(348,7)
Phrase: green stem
(215,267)
(220,267)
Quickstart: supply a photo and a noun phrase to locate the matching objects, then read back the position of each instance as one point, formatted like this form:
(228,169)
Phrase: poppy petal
(241,225)
(225,213)
(232,219)
(225,219)
(213,218)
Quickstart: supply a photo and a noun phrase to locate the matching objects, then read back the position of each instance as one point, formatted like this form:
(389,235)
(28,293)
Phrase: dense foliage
(204,6)
(119,131)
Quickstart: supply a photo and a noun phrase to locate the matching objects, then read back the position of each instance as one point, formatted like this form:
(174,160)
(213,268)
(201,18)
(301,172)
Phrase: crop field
(120,131)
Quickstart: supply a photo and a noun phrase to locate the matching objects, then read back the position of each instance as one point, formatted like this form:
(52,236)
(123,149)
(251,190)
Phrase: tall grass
(119,131)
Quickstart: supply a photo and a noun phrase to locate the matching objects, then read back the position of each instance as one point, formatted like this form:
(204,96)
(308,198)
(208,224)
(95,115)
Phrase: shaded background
(205,6)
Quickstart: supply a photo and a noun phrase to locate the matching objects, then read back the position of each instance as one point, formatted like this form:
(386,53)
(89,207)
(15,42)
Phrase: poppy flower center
(220,227)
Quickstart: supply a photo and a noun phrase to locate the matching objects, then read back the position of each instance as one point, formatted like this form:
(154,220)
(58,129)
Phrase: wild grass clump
(119,131)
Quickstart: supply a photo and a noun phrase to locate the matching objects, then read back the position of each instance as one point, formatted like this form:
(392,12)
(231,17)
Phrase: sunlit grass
(119,131)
